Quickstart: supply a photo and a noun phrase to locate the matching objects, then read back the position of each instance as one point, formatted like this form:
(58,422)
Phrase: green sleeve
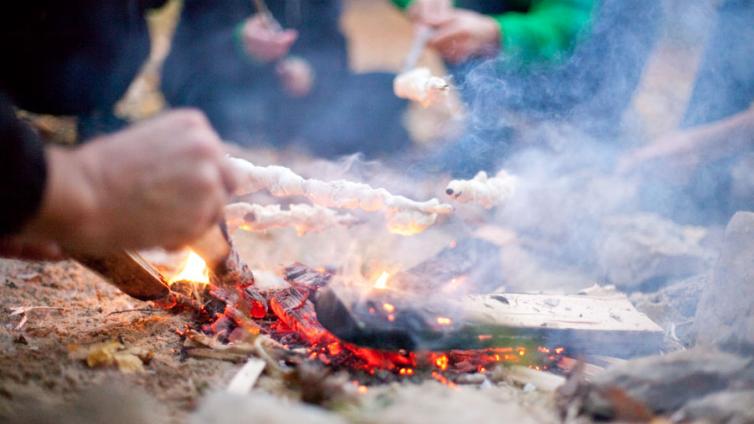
(403,4)
(547,32)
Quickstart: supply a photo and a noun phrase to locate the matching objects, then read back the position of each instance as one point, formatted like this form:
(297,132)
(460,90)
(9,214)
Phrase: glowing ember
(381,282)
(442,362)
(406,371)
(444,321)
(292,321)
(194,270)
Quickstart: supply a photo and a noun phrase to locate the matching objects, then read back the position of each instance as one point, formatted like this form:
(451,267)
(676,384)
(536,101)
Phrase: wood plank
(605,325)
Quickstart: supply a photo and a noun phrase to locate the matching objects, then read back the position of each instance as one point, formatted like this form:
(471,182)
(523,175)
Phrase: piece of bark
(725,315)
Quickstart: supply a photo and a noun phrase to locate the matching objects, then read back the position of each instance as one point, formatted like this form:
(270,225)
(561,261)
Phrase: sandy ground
(35,367)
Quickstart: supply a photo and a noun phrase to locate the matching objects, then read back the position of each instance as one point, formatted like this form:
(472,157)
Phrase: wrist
(69,210)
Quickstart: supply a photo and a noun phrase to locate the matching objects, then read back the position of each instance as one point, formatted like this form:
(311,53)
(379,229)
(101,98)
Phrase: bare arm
(704,143)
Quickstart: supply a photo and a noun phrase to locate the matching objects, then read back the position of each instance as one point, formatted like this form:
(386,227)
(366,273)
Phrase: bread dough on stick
(404,216)
(420,85)
(483,190)
(304,218)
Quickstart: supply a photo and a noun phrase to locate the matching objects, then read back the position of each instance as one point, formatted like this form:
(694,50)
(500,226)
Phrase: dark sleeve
(23,170)
(206,56)
(321,41)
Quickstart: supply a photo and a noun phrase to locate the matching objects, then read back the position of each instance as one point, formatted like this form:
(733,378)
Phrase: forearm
(724,137)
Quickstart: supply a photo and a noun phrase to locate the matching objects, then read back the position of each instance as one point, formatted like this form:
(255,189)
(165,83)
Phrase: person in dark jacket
(159,183)
(284,85)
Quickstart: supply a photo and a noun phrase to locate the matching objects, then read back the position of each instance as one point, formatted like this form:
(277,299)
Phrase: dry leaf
(111,353)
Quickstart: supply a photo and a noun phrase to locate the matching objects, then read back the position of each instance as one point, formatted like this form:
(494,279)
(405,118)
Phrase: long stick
(421,38)
(263,10)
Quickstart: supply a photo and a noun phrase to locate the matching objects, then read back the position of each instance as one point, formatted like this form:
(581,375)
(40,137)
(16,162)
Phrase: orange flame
(194,270)
(444,321)
(381,282)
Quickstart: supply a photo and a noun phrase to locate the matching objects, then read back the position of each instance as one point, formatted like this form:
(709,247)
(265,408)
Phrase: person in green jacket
(524,31)
(575,62)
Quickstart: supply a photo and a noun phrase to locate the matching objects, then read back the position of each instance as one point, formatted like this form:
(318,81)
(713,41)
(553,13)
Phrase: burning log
(404,216)
(482,190)
(470,265)
(420,85)
(303,218)
(228,273)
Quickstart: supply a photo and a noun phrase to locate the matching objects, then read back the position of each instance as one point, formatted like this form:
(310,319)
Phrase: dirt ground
(80,309)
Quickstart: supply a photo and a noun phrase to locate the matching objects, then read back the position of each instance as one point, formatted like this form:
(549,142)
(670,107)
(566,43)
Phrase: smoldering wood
(129,272)
(607,325)
(475,260)
(214,246)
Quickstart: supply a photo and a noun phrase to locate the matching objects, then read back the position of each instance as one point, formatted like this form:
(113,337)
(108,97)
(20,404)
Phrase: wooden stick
(246,377)
(419,43)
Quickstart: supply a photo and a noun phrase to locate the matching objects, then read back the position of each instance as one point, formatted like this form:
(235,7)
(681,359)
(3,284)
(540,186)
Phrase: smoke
(563,129)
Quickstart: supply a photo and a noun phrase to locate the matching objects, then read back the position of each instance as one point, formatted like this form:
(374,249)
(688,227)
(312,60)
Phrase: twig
(133,310)
(419,43)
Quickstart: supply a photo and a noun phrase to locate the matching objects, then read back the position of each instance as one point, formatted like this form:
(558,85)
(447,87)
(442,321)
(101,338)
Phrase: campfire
(227,314)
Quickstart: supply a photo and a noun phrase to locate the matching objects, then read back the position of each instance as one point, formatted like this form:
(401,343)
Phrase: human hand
(296,75)
(161,182)
(430,12)
(264,41)
(466,34)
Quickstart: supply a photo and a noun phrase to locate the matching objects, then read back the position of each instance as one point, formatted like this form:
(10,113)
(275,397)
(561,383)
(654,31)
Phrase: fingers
(265,41)
(449,41)
(430,12)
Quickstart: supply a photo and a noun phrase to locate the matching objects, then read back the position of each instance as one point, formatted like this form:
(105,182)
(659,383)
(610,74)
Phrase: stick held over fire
(421,86)
(404,216)
(302,217)
(482,190)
